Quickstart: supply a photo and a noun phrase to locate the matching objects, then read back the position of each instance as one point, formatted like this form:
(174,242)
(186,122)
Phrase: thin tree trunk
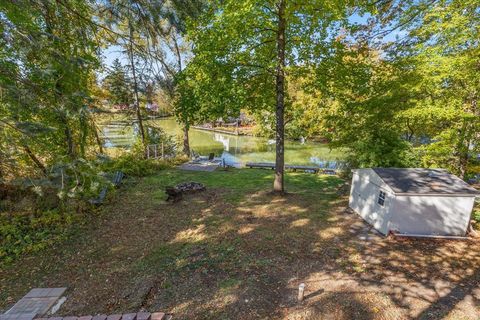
(278,184)
(463,149)
(135,86)
(463,164)
(186,125)
(49,26)
(186,141)
(97,137)
(410,132)
(68,138)
(35,160)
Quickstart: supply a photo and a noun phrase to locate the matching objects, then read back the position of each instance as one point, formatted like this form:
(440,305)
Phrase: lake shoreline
(120,132)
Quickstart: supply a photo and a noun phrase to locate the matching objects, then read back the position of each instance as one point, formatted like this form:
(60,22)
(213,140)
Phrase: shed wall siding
(431,215)
(366,186)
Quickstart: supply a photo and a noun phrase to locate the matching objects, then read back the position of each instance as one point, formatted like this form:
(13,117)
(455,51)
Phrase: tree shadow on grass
(275,243)
(334,306)
(466,287)
(242,264)
(241,253)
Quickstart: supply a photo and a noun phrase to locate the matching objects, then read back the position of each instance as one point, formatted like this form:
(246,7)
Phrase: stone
(158,316)
(114,317)
(17,316)
(45,292)
(129,316)
(37,301)
(143,315)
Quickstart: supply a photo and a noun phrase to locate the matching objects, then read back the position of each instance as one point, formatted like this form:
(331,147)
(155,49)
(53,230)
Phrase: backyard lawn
(235,251)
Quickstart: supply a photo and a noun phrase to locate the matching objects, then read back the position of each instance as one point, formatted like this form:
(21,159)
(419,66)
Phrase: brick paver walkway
(35,303)
(39,301)
(125,316)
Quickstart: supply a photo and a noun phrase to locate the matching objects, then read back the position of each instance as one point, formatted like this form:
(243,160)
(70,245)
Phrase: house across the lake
(413,201)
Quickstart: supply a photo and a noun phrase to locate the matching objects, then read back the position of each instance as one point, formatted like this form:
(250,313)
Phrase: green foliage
(382,149)
(244,49)
(157,136)
(50,208)
(80,179)
(442,53)
(48,55)
(118,85)
(365,95)
(134,166)
(476,217)
(303,115)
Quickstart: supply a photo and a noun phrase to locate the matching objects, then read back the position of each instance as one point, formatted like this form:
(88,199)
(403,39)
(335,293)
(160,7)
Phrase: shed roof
(424,181)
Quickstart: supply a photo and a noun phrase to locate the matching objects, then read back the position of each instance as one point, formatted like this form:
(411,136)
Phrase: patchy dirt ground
(237,252)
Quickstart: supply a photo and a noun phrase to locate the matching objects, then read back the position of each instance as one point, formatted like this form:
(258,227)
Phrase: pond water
(235,150)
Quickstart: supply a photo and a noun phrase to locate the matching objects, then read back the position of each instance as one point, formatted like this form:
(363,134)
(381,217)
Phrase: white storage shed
(413,201)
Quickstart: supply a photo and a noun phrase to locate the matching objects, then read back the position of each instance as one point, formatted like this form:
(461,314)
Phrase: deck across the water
(270,165)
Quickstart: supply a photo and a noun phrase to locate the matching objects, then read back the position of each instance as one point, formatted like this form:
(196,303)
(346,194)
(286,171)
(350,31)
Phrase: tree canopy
(393,83)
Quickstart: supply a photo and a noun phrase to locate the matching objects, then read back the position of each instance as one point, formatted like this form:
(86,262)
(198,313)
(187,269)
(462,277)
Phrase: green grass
(239,181)
(236,186)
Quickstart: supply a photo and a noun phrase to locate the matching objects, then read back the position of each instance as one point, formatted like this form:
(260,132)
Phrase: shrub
(27,232)
(476,216)
(133,166)
(38,212)
(156,135)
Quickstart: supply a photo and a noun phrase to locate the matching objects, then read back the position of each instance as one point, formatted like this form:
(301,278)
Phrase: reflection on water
(119,134)
(235,150)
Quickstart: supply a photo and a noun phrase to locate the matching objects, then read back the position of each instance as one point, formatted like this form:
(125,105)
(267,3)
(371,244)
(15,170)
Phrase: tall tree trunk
(186,124)
(135,87)
(49,26)
(278,184)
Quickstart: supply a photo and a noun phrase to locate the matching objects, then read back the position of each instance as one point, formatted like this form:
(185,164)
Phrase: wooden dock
(310,169)
(234,133)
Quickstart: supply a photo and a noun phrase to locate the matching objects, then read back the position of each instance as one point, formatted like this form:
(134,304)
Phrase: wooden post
(155,151)
(148,151)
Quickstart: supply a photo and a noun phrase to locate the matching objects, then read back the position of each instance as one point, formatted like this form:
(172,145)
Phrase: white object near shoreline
(412,201)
